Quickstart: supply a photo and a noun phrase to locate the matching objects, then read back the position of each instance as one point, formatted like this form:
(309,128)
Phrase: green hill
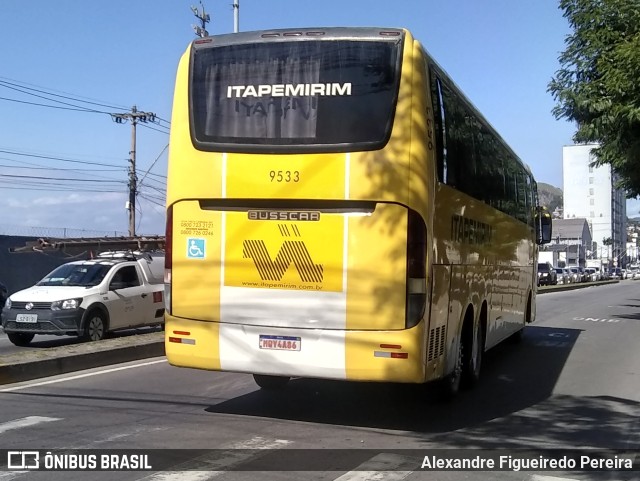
(549,196)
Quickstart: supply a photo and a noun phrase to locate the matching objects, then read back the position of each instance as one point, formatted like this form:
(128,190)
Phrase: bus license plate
(27,318)
(280,343)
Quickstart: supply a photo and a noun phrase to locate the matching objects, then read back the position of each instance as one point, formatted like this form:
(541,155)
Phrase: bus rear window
(294,96)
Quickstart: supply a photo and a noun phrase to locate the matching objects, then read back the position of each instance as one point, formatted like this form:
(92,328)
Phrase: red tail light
(416,269)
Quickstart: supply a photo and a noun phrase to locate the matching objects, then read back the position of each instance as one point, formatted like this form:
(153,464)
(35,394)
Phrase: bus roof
(289,34)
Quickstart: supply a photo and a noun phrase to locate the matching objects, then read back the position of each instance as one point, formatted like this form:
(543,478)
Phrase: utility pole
(204,18)
(134,117)
(236,16)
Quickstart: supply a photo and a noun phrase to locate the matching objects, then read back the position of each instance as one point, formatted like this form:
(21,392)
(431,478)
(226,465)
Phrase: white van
(116,290)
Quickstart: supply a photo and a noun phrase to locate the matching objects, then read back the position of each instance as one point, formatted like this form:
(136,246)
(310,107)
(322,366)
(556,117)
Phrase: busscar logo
(292,251)
(304,215)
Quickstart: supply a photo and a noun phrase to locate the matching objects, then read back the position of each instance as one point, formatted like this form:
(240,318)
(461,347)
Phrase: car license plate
(27,318)
(280,343)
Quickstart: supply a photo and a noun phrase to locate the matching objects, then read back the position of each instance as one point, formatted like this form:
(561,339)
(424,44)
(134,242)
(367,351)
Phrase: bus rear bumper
(384,356)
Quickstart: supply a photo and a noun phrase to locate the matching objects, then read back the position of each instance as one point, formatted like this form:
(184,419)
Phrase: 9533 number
(284,175)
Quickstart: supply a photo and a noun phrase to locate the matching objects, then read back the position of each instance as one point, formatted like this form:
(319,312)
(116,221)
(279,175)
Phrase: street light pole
(236,16)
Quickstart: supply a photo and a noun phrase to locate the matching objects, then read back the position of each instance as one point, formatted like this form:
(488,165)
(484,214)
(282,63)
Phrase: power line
(6,84)
(58,178)
(42,89)
(153,163)
(164,177)
(53,168)
(59,189)
(152,201)
(61,159)
(52,100)
(158,187)
(50,106)
(157,130)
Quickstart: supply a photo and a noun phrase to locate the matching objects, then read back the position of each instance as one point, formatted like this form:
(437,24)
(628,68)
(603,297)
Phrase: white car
(89,298)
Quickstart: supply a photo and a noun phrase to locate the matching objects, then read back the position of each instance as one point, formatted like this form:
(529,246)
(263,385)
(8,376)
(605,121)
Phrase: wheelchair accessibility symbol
(195,248)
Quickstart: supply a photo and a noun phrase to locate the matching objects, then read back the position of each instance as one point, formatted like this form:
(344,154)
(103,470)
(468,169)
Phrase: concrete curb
(571,287)
(34,364)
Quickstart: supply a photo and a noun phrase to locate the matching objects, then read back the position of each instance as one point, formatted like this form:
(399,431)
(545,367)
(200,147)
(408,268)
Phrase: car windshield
(76,275)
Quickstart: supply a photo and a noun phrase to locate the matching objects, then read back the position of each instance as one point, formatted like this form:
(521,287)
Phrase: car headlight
(66,304)
(7,304)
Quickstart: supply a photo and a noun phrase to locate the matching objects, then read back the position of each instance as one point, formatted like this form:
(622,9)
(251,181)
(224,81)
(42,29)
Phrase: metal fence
(56,232)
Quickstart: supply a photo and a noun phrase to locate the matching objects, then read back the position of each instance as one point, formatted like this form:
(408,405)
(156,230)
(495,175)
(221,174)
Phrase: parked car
(571,277)
(592,274)
(547,275)
(599,274)
(584,277)
(562,276)
(616,273)
(575,274)
(89,298)
(4,293)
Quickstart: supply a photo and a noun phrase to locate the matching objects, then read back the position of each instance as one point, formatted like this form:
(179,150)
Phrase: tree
(598,83)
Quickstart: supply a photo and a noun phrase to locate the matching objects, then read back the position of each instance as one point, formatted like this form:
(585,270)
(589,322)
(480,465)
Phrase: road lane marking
(26,422)
(185,476)
(384,466)
(597,319)
(79,376)
(209,466)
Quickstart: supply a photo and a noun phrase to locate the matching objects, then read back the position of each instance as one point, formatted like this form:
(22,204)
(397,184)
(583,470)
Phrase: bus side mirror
(543,226)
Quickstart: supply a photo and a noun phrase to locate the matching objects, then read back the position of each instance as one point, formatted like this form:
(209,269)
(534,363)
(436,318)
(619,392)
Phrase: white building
(590,192)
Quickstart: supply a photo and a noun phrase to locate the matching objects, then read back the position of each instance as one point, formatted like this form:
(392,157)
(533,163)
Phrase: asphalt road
(573,382)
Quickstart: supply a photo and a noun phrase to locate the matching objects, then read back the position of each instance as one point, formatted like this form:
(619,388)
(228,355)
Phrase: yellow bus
(336,208)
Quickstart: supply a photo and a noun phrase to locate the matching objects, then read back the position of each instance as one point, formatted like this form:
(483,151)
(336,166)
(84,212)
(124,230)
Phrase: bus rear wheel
(450,384)
(270,383)
(472,358)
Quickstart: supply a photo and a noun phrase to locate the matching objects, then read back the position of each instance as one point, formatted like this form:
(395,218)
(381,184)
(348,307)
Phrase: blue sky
(120,53)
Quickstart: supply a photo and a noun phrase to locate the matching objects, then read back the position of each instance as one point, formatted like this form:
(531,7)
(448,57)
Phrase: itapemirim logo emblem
(292,251)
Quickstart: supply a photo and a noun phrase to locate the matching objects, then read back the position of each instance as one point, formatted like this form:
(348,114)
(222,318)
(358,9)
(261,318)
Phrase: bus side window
(453,121)
(461,156)
(439,130)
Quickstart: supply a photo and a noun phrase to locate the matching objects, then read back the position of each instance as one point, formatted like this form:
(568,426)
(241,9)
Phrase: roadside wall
(19,271)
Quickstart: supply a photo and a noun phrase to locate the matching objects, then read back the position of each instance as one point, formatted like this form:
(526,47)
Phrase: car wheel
(95,326)
(20,339)
(271,383)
